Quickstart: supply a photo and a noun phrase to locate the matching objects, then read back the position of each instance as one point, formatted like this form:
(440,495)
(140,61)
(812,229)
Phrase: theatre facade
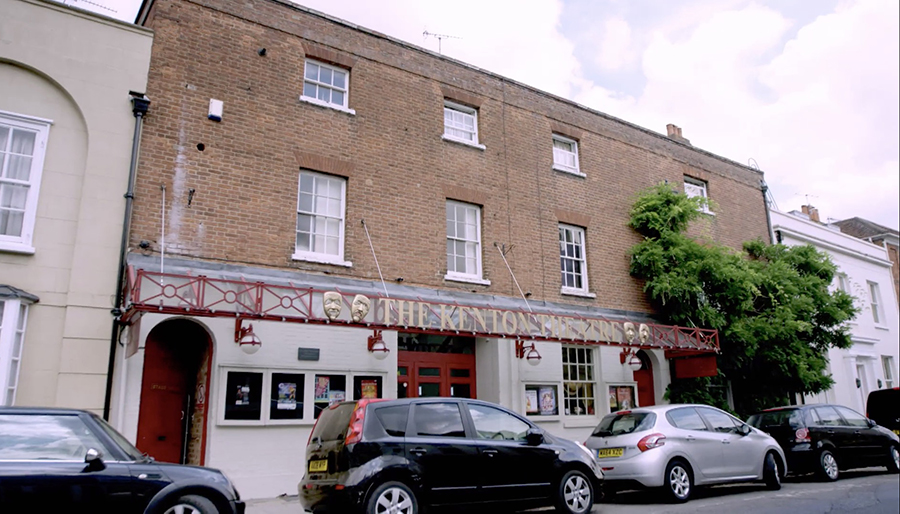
(323,213)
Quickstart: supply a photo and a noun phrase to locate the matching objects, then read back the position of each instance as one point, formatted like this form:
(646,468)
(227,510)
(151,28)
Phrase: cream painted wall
(76,69)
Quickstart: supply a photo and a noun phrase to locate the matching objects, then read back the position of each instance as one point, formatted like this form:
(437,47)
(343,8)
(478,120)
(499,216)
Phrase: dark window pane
(439,420)
(243,395)
(287,396)
(460,391)
(333,423)
(491,423)
(429,390)
(393,419)
(45,437)
(459,372)
(429,372)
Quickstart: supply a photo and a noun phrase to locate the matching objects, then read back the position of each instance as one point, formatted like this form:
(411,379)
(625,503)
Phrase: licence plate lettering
(610,452)
(318,465)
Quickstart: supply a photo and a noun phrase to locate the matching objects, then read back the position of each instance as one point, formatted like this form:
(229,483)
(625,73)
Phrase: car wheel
(679,482)
(192,504)
(392,498)
(893,464)
(828,466)
(575,495)
(770,473)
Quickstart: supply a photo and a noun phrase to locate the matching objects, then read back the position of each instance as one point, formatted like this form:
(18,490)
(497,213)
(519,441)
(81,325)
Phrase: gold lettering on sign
(524,323)
(386,304)
(462,318)
(605,331)
(479,319)
(406,310)
(593,332)
(507,316)
(495,326)
(424,321)
(446,319)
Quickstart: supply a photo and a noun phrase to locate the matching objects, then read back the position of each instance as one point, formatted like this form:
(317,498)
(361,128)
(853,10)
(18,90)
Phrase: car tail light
(354,435)
(802,436)
(651,441)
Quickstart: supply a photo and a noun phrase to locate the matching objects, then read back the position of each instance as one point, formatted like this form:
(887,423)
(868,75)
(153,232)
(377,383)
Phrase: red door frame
(413,361)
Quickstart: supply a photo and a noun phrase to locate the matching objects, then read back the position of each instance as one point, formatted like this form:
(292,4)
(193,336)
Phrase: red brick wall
(400,171)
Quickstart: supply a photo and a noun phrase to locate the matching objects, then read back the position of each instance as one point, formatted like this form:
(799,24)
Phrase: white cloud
(616,49)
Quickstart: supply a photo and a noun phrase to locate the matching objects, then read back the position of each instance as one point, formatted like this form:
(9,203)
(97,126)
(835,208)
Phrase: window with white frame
(572,262)
(887,363)
(696,188)
(843,283)
(13,317)
(320,218)
(565,154)
(875,302)
(579,385)
(460,122)
(326,84)
(463,241)
(23,141)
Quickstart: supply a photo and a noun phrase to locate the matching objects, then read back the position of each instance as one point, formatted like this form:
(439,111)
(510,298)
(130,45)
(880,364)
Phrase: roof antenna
(439,37)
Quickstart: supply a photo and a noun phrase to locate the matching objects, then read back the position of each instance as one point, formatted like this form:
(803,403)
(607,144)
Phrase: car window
(813,417)
(624,423)
(829,417)
(778,418)
(123,443)
(853,418)
(45,437)
(333,423)
(439,420)
(686,418)
(393,419)
(719,421)
(491,423)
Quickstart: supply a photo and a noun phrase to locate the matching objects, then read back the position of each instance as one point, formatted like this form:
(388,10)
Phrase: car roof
(664,408)
(57,411)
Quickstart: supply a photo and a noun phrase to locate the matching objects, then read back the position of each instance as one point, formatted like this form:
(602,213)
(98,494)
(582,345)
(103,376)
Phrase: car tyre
(893,463)
(575,494)
(192,504)
(771,475)
(679,483)
(392,497)
(828,466)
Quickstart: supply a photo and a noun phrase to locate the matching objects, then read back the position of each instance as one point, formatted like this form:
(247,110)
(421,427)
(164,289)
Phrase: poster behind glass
(329,389)
(287,396)
(243,395)
(621,397)
(366,388)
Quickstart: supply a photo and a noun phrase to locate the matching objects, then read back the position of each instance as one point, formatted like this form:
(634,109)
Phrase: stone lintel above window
(321,53)
(565,130)
(324,164)
(573,218)
(461,97)
(465,195)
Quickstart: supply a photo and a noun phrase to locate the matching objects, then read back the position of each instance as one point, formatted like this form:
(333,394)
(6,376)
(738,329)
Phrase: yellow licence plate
(610,452)
(318,465)
(897,432)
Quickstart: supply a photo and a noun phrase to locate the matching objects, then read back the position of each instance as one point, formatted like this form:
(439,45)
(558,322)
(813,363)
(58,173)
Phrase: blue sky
(808,89)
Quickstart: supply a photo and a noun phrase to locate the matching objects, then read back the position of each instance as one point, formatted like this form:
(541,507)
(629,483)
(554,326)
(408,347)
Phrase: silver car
(677,447)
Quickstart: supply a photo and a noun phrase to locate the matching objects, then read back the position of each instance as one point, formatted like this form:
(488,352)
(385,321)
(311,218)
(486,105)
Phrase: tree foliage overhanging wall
(771,304)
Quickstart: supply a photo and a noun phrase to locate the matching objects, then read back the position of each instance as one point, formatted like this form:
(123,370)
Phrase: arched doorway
(644,379)
(174,406)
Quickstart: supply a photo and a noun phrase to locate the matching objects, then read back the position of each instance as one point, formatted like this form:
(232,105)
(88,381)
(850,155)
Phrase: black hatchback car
(825,439)
(397,456)
(61,460)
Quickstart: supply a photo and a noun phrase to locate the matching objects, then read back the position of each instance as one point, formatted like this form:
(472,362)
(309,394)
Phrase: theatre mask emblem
(332,304)
(359,308)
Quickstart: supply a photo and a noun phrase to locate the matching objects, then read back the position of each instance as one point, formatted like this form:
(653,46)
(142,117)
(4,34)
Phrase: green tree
(770,303)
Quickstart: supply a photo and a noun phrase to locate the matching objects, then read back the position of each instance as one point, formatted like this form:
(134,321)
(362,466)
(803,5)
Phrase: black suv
(827,438)
(883,407)
(397,456)
(62,460)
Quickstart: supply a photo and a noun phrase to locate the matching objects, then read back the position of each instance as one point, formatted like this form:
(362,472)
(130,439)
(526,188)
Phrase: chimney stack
(674,132)
(810,211)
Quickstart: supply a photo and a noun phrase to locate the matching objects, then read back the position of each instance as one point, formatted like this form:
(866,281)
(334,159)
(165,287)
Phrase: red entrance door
(423,374)
(644,379)
(172,357)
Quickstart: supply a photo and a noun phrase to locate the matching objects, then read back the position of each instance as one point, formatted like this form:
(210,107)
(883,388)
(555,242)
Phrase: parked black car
(828,438)
(62,460)
(397,456)
(883,407)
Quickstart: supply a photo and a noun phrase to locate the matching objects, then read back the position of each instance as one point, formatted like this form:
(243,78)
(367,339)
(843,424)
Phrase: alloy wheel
(577,493)
(830,465)
(679,482)
(394,501)
(182,508)
(895,454)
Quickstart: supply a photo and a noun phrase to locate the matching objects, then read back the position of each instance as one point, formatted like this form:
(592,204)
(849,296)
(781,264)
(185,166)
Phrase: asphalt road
(869,491)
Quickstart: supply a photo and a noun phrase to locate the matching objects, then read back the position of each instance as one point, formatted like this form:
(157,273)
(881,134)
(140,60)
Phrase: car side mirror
(534,436)
(94,458)
(744,429)
(871,423)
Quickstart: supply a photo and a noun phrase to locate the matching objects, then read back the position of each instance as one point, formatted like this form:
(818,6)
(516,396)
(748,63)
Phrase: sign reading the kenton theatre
(206,296)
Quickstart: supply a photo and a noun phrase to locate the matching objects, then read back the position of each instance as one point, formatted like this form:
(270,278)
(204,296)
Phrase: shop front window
(579,383)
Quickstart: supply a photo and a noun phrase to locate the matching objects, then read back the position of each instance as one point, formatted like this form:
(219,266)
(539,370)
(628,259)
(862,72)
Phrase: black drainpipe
(139,106)
(765,189)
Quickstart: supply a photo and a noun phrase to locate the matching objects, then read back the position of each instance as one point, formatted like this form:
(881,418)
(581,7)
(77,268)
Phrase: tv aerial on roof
(440,37)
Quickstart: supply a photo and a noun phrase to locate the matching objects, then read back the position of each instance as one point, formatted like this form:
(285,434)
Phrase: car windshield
(624,423)
(120,440)
(792,418)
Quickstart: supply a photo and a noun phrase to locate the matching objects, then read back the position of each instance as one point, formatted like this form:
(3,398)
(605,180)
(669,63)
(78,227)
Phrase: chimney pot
(671,130)
(810,211)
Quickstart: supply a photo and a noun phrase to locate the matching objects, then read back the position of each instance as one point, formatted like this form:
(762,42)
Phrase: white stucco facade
(865,273)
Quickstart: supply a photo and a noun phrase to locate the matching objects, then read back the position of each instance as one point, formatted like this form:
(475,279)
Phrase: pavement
(280,505)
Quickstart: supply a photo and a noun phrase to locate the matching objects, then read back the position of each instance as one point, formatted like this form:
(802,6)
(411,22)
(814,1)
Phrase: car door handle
(726,441)
(418,451)
(856,432)
(690,438)
(489,453)
(149,476)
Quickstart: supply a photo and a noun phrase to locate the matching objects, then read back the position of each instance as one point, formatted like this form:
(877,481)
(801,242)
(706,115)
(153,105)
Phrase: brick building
(295,167)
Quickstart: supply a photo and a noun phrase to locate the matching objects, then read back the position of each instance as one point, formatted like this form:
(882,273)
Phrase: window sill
(463,142)
(467,279)
(21,248)
(587,421)
(568,291)
(321,259)
(707,212)
(882,327)
(320,103)
(569,171)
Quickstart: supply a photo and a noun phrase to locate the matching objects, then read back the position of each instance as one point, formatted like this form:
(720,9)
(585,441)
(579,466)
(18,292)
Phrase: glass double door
(428,374)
